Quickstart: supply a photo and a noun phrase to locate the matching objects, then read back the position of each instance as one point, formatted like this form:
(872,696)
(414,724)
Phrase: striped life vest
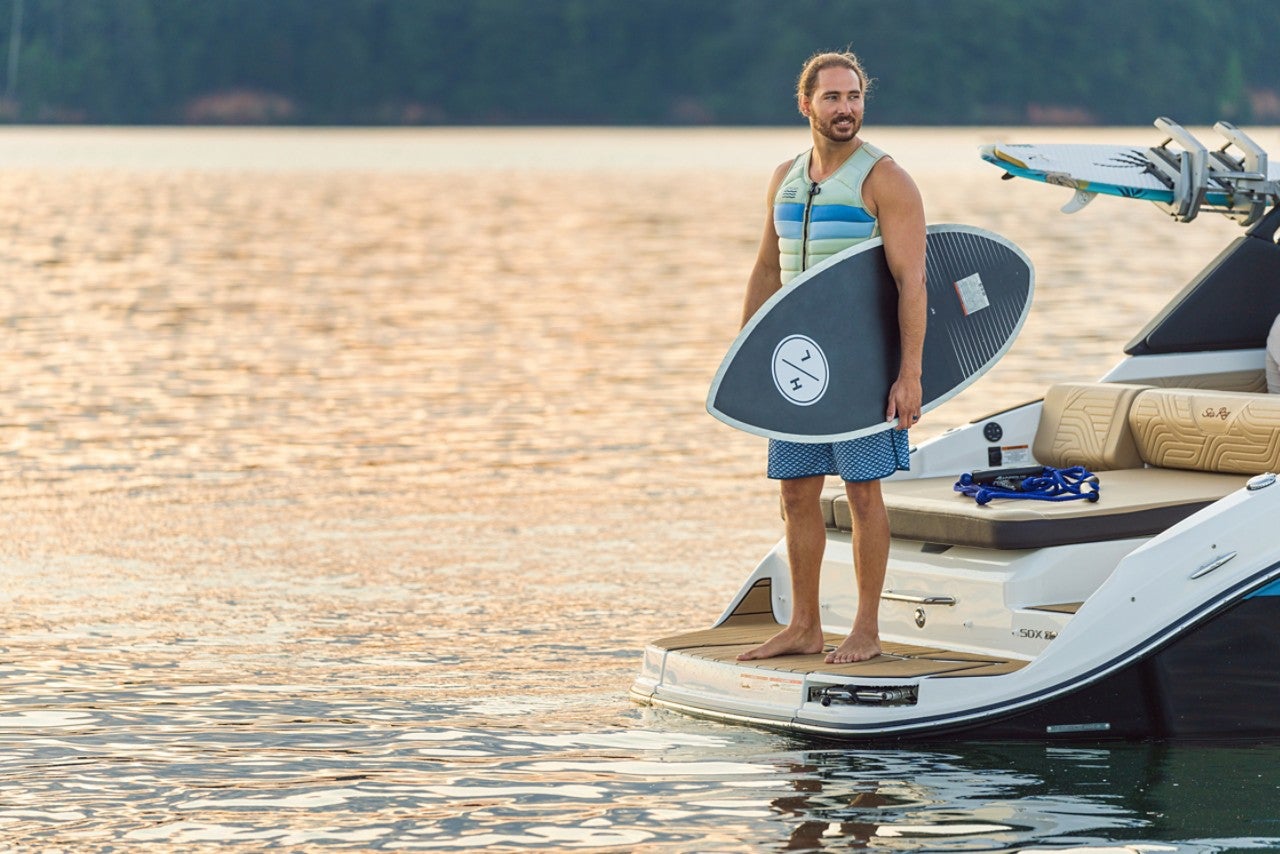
(816,220)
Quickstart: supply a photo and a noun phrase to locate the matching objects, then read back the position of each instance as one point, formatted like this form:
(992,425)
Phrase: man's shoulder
(788,166)
(888,174)
(873,151)
(889,188)
(783,168)
(780,175)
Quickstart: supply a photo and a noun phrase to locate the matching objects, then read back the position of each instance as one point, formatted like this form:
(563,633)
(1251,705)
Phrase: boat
(1151,613)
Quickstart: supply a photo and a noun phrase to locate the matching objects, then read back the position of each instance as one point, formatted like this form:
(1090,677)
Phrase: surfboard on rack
(1184,180)
(1113,170)
(815,362)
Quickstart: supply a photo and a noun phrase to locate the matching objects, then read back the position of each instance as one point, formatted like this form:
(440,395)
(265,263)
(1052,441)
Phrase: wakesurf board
(816,361)
(1184,181)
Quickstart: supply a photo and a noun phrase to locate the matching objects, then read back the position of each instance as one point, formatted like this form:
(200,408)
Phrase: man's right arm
(766,275)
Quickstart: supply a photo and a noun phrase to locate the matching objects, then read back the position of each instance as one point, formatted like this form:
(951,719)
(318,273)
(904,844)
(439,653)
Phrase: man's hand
(904,402)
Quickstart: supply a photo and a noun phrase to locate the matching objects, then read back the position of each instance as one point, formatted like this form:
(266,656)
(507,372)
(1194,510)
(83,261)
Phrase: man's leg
(806,541)
(870,561)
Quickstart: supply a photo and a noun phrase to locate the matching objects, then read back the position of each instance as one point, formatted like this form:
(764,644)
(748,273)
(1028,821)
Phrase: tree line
(632,62)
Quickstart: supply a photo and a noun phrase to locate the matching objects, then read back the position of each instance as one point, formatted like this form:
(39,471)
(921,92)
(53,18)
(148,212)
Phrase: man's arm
(766,275)
(900,211)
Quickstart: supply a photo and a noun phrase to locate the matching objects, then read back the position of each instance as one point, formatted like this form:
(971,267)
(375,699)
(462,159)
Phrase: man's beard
(841,134)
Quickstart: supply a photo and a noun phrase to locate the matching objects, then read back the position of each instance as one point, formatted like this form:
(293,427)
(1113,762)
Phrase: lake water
(346,474)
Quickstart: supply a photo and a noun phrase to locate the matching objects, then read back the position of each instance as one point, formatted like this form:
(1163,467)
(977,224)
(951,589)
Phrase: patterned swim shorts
(866,458)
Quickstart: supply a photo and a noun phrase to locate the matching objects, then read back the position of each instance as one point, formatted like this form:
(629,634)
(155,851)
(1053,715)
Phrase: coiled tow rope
(1052,484)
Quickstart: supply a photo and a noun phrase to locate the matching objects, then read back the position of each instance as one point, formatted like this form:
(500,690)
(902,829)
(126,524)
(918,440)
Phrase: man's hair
(830,59)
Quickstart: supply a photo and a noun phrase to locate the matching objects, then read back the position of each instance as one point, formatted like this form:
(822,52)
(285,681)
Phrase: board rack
(1234,183)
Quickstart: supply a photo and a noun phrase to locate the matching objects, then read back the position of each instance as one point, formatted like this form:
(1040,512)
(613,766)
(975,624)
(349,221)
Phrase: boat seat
(1133,503)
(1160,455)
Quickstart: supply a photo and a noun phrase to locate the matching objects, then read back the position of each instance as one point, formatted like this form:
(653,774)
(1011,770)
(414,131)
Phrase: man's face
(835,109)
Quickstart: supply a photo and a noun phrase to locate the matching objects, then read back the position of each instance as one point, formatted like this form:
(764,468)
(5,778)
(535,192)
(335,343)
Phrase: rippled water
(347,472)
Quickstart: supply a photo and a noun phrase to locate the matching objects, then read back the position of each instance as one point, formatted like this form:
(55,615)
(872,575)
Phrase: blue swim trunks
(866,458)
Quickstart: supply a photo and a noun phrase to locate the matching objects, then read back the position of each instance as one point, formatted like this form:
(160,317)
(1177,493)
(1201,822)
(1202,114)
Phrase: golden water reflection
(348,472)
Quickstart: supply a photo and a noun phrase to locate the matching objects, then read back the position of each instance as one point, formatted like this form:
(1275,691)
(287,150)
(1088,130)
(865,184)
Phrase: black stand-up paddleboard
(816,361)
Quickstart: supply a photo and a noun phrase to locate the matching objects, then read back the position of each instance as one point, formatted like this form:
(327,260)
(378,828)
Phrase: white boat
(1152,613)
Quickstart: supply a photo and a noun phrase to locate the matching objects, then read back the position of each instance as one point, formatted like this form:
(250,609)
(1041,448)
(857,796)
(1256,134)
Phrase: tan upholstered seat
(1133,503)
(1218,431)
(1086,424)
(1160,455)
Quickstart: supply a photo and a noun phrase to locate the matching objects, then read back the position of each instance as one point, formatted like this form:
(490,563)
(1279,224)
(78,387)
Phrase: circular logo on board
(800,370)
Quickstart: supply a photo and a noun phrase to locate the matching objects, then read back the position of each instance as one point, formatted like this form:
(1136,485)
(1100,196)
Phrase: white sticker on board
(973,296)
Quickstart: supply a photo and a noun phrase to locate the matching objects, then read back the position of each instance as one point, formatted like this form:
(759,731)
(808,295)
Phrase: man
(856,192)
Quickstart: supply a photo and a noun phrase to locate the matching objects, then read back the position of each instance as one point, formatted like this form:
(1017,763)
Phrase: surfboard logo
(800,370)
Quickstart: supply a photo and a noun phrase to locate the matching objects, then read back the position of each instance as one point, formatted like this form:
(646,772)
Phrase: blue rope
(1069,484)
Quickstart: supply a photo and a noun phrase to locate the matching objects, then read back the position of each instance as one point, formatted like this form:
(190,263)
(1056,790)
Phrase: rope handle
(1052,484)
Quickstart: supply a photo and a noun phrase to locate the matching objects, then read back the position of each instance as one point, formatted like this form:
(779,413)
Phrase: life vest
(816,220)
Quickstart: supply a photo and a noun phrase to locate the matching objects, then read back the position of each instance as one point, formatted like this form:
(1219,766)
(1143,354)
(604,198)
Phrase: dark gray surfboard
(816,361)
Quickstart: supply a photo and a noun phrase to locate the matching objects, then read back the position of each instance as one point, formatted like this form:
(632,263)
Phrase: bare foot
(789,641)
(858,646)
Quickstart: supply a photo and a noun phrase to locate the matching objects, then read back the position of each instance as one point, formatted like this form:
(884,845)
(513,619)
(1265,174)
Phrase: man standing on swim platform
(841,192)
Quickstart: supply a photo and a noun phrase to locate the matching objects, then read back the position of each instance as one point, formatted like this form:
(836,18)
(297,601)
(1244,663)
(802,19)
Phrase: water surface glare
(348,472)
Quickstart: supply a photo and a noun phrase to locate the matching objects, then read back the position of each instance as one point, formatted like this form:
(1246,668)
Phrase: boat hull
(1215,682)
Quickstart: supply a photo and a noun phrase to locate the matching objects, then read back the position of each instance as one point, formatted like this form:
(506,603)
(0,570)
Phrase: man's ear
(802,104)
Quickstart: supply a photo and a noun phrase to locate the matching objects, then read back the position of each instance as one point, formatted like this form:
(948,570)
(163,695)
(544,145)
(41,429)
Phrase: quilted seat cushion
(1210,431)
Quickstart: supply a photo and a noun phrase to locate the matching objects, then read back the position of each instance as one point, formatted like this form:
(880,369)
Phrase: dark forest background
(628,62)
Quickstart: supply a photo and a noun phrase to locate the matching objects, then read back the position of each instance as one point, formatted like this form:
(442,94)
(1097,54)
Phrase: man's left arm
(900,212)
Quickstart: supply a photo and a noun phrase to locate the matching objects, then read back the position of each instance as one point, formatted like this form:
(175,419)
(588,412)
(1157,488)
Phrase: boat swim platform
(896,661)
